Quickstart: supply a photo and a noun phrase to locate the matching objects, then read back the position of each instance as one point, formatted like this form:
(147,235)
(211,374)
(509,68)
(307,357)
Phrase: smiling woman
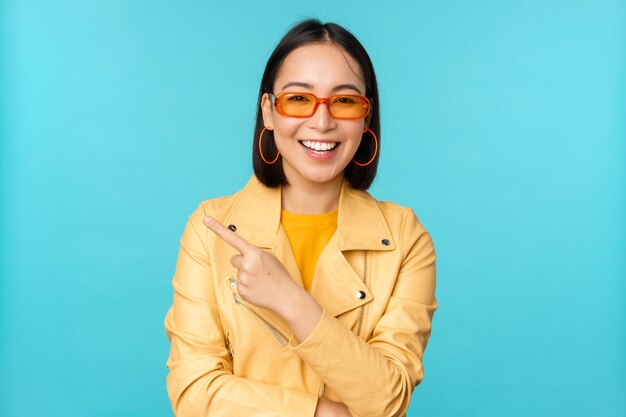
(301,294)
(321,70)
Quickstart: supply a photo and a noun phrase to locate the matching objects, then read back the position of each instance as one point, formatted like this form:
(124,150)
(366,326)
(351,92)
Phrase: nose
(321,120)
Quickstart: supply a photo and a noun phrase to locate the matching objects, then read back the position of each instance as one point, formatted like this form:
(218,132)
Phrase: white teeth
(319,146)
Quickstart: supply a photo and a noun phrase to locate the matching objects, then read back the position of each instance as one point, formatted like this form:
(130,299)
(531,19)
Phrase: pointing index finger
(227,235)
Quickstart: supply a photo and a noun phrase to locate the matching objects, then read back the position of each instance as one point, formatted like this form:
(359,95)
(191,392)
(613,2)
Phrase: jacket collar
(360,223)
(360,226)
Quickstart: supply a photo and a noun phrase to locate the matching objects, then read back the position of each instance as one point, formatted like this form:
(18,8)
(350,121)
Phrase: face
(324,70)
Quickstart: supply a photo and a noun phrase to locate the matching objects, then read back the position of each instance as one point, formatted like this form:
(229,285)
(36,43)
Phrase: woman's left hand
(261,278)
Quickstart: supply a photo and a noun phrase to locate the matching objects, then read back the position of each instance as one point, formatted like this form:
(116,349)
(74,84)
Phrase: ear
(268,114)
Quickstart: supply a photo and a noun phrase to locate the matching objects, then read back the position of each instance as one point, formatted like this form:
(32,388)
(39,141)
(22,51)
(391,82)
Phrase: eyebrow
(310,87)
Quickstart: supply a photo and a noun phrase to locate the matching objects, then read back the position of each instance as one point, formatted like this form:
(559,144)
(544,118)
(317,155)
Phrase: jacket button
(360,295)
(232,227)
(385,242)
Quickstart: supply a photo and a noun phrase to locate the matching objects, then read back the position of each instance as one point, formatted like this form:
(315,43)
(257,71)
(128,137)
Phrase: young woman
(301,294)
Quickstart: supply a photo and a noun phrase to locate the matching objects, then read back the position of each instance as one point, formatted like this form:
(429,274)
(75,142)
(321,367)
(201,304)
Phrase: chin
(321,177)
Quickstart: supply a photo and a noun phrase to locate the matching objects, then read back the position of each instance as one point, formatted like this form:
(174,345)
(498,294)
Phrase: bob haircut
(306,32)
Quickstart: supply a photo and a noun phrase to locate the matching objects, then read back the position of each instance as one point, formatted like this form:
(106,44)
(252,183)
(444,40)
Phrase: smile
(322,147)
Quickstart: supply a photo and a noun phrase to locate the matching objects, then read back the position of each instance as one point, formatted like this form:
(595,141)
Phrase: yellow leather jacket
(375,281)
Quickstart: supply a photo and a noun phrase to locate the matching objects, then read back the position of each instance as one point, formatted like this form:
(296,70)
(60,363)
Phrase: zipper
(358,330)
(282,339)
(229,346)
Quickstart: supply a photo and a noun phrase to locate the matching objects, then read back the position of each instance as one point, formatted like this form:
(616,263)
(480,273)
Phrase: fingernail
(208,220)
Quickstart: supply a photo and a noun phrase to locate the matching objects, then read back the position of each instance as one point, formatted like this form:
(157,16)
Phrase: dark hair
(307,32)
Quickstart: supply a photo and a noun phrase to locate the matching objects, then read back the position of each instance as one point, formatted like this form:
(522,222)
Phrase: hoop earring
(375,150)
(261,150)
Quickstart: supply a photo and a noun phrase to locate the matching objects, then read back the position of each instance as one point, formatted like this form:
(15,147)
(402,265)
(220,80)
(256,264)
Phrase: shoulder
(399,216)
(217,207)
(405,224)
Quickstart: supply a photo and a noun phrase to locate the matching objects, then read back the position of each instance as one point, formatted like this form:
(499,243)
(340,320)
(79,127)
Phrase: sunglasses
(341,106)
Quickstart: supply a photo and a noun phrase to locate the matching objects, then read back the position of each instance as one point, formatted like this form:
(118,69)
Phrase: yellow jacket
(375,281)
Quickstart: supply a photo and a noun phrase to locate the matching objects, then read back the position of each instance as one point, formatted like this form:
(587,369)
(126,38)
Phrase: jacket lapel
(360,226)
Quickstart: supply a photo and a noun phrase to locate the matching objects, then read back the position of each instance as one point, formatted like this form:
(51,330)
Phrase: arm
(377,377)
(200,382)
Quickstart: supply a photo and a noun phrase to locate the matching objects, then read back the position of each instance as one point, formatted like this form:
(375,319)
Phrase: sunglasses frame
(276,99)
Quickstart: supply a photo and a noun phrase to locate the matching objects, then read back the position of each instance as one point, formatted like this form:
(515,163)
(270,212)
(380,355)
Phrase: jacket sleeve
(200,381)
(377,377)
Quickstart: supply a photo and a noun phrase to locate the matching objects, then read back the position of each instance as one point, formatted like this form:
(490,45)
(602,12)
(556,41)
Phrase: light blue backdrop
(503,127)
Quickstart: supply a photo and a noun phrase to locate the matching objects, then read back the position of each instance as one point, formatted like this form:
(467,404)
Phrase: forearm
(220,393)
(374,378)
(301,312)
(369,380)
(201,382)
(340,358)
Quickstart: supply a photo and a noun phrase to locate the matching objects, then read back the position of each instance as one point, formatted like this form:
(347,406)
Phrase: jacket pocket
(272,329)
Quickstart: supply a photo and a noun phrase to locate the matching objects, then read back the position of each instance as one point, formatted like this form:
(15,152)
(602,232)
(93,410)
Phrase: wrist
(301,312)
(295,300)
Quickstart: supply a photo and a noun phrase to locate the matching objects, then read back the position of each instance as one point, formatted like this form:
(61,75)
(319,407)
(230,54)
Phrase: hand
(261,279)
(330,408)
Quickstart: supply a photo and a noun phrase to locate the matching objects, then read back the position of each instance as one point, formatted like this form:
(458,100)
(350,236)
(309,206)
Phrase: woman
(302,295)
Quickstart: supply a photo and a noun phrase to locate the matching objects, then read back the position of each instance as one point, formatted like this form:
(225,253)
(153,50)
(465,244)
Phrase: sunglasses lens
(297,104)
(340,106)
(348,107)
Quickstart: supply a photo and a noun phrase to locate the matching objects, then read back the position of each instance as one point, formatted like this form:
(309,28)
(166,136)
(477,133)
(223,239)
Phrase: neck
(311,197)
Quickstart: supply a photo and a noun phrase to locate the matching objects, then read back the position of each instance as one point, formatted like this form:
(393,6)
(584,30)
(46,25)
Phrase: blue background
(503,127)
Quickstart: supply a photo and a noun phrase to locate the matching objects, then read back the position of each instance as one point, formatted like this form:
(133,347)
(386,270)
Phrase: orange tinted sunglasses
(340,106)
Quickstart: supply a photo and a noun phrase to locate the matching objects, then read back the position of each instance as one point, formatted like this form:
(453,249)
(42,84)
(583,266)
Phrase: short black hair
(306,32)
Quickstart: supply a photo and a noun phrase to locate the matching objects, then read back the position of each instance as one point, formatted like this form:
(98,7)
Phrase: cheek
(354,133)
(286,135)
(285,129)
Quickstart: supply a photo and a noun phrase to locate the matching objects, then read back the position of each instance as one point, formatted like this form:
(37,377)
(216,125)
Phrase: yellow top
(308,235)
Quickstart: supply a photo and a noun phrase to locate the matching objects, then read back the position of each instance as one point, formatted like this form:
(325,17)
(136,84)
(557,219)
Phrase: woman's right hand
(330,408)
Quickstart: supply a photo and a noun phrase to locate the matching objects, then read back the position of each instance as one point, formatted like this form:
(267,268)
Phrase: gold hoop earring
(261,150)
(375,150)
